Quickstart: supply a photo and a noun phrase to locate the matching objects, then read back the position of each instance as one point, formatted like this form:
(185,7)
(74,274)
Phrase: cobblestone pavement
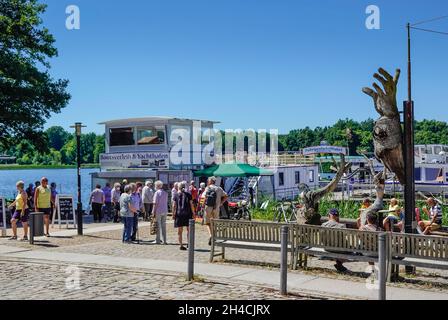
(109,243)
(43,281)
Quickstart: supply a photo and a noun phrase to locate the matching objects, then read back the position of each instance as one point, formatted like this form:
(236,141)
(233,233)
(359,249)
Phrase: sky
(262,64)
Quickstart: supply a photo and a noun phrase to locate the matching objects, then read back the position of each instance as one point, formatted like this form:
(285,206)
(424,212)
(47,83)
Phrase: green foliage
(57,137)
(429,131)
(358,135)
(348,209)
(62,149)
(28,94)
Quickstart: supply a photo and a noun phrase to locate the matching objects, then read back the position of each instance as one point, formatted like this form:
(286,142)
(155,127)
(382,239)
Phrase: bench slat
(426,249)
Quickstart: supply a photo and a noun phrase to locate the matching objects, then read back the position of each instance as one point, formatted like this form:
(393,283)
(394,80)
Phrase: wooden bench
(419,251)
(347,244)
(248,235)
(344,244)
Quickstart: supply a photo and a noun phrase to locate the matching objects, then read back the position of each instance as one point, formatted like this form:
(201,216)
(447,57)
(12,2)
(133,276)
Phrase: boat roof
(151,119)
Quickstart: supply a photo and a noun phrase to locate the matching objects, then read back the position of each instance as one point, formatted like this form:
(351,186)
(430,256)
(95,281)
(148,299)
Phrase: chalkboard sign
(65,210)
(2,216)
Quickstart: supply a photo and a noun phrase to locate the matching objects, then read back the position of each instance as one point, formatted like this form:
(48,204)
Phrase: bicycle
(286,211)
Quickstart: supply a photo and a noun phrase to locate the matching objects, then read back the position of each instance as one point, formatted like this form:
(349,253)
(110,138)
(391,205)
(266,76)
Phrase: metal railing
(266,159)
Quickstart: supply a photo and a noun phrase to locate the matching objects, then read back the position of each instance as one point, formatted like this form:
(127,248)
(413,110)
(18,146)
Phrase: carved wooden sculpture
(387,133)
(309,212)
(379,181)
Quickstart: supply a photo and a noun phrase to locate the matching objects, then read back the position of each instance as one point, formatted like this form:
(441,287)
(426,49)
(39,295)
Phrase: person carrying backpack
(214,198)
(183,209)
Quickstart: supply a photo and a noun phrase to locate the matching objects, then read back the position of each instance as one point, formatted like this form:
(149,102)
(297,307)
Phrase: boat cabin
(158,148)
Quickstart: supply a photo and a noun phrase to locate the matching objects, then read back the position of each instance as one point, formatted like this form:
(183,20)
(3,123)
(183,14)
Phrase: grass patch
(348,209)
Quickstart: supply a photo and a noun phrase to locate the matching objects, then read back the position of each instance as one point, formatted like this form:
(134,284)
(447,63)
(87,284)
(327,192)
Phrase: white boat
(431,170)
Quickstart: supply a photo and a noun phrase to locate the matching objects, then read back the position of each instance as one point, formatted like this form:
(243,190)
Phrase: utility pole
(409,160)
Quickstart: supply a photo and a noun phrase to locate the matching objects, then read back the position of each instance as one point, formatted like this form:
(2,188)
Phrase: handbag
(153,225)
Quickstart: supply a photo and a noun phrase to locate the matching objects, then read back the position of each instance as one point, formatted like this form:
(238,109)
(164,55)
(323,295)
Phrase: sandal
(13,238)
(25,238)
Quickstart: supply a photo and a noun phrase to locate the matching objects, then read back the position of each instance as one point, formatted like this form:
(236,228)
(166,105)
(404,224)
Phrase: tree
(68,152)
(57,137)
(28,94)
(100,147)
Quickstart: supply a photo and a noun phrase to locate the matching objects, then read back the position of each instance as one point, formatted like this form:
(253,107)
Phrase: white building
(158,148)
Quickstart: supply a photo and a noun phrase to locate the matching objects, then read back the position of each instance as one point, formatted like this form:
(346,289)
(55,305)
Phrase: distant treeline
(61,149)
(357,136)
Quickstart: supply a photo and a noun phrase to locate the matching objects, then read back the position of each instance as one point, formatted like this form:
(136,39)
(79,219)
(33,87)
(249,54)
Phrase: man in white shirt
(148,198)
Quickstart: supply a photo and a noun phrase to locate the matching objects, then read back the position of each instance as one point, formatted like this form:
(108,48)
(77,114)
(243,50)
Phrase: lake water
(65,179)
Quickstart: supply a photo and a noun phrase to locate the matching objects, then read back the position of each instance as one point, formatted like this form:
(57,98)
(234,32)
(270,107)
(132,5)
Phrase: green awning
(233,170)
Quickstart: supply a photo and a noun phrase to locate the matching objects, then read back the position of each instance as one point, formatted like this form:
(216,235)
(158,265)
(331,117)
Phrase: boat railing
(267,159)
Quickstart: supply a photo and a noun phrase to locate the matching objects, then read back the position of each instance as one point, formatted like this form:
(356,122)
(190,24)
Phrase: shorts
(395,219)
(434,226)
(210,213)
(45,211)
(22,218)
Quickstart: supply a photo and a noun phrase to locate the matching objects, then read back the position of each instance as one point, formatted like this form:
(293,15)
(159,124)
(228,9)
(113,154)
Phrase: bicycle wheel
(246,215)
(277,214)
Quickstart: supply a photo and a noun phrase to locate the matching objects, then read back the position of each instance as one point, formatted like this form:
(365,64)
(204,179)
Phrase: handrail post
(190,271)
(284,261)
(382,266)
(31,229)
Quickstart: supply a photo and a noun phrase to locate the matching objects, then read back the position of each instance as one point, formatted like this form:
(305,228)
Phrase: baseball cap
(334,212)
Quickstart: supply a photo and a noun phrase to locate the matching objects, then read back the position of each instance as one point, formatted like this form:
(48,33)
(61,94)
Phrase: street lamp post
(78,126)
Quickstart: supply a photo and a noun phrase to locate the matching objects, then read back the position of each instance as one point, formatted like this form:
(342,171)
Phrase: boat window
(429,150)
(311,175)
(418,174)
(150,135)
(417,151)
(281,179)
(297,177)
(432,173)
(121,137)
(445,149)
(437,149)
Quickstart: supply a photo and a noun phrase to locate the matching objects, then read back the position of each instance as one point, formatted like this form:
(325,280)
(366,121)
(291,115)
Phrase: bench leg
(389,271)
(223,253)
(300,260)
(293,261)
(305,262)
(396,272)
(212,251)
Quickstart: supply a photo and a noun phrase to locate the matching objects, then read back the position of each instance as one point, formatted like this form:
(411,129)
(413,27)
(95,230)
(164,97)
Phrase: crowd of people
(128,202)
(38,197)
(395,217)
